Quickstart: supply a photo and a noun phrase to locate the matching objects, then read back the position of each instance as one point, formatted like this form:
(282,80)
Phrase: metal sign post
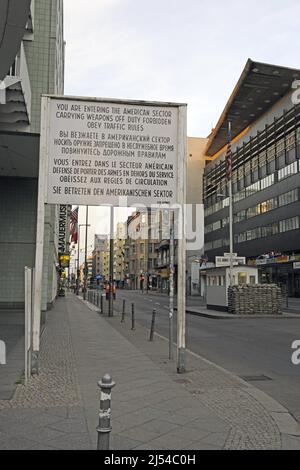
(28,321)
(39,251)
(171,281)
(181,290)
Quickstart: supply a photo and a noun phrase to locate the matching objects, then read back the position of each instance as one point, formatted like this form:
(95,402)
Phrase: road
(258,349)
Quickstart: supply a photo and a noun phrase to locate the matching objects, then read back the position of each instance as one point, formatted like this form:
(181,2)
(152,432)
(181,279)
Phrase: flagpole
(85,253)
(230,211)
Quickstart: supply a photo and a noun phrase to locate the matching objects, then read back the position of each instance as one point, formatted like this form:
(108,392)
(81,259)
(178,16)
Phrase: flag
(228,158)
(74,225)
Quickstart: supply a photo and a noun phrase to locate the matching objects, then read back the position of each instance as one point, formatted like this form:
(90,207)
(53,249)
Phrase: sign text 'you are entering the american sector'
(99,152)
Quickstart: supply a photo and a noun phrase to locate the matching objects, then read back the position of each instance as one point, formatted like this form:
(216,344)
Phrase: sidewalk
(152,407)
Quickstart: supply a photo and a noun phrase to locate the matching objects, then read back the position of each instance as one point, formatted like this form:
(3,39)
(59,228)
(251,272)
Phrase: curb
(288,426)
(216,316)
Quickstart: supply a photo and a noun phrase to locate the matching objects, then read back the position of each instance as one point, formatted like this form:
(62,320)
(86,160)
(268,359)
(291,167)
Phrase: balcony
(15,96)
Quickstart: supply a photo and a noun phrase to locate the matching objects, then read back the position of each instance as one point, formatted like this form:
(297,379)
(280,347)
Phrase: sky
(190,51)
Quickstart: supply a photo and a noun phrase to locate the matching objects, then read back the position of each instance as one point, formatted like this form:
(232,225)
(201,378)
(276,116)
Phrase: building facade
(37,68)
(265,175)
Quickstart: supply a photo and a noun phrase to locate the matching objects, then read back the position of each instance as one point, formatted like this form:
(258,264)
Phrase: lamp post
(223,196)
(229,177)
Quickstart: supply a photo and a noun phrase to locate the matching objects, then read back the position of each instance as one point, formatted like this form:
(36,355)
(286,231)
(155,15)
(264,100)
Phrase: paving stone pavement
(152,407)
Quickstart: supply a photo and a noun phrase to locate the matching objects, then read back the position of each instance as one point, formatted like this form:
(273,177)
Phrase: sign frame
(180,200)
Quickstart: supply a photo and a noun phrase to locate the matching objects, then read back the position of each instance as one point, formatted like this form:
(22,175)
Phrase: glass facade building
(265,177)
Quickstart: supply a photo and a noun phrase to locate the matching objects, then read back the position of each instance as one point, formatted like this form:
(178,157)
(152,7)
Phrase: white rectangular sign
(99,151)
(223,261)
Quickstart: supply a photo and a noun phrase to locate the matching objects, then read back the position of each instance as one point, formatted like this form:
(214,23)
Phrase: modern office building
(31,63)
(265,117)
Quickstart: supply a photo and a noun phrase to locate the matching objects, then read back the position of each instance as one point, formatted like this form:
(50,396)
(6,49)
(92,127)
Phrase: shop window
(242,278)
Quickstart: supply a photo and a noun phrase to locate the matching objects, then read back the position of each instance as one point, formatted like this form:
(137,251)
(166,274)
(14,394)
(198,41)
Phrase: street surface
(258,350)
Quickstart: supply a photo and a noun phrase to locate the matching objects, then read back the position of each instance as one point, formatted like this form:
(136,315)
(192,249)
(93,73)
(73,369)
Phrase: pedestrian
(107,289)
(114,290)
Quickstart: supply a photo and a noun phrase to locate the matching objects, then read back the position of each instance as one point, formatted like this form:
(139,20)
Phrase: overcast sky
(190,51)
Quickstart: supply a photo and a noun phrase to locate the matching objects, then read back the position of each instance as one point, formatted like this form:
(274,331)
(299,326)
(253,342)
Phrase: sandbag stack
(261,299)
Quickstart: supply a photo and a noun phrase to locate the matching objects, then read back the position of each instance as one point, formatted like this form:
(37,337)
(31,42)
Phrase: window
(271,153)
(267,206)
(267,182)
(241,237)
(208,229)
(287,171)
(239,196)
(226,202)
(269,230)
(254,234)
(254,188)
(280,146)
(253,211)
(217,225)
(288,198)
(290,141)
(262,159)
(289,224)
(242,278)
(240,216)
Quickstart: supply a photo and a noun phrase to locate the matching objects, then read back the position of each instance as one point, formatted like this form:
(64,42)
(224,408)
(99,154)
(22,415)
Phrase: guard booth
(217,280)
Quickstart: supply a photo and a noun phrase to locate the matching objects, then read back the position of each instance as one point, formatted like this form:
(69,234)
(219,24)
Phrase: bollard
(132,318)
(123,312)
(104,427)
(152,326)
